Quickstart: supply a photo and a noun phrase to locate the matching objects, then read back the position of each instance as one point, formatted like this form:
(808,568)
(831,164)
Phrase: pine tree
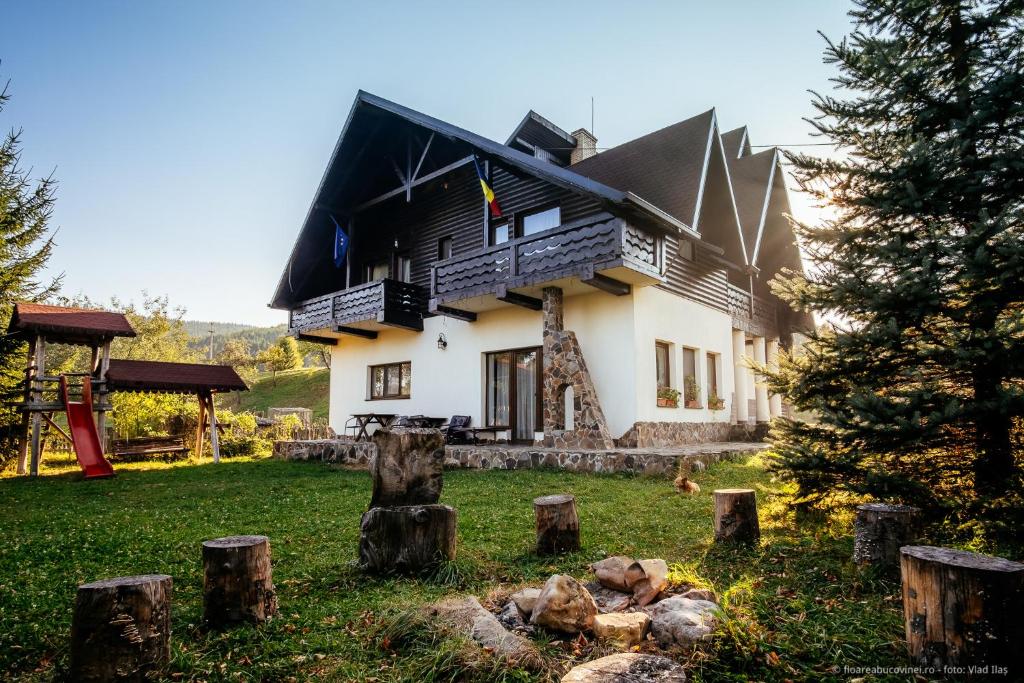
(290,349)
(916,377)
(25,247)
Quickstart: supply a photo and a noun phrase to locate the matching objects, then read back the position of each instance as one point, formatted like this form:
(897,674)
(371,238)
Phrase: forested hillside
(256,338)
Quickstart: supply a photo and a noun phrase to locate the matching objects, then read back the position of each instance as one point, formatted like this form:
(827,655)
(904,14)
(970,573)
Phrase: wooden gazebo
(38,324)
(179,378)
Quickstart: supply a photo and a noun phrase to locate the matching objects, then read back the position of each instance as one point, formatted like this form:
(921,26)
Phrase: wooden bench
(149,445)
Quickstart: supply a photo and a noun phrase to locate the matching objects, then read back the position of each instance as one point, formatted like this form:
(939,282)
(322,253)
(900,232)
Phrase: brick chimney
(586,146)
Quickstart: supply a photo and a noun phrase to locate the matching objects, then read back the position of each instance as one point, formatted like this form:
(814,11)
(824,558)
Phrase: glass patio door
(512,392)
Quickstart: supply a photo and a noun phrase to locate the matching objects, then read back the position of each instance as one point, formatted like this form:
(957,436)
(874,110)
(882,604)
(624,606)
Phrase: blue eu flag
(340,244)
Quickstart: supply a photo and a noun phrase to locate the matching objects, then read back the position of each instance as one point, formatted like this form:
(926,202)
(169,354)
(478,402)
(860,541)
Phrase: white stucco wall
(617,335)
(661,316)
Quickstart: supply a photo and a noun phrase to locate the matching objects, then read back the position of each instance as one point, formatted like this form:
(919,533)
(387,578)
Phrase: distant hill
(257,338)
(306,388)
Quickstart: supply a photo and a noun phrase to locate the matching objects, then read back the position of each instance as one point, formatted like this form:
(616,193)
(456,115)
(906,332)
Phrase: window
(662,353)
(444,248)
(691,387)
(713,377)
(376,270)
(403,268)
(391,381)
(501,233)
(542,220)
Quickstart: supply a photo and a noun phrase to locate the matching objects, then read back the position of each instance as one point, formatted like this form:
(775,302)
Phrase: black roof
(339,190)
(536,131)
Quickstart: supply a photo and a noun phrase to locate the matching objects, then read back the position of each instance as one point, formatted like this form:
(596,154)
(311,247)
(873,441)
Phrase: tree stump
(121,628)
(558,526)
(963,609)
(736,516)
(880,531)
(237,585)
(407,538)
(408,467)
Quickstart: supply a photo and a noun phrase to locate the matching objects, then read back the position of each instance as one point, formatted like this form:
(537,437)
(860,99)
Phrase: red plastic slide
(83,432)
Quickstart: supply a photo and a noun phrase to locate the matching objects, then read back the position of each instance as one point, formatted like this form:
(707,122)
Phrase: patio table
(364,420)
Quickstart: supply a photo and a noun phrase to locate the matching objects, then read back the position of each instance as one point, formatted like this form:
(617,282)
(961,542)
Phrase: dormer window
(539,221)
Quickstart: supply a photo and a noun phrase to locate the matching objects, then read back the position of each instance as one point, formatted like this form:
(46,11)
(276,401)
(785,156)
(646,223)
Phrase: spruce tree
(914,378)
(25,247)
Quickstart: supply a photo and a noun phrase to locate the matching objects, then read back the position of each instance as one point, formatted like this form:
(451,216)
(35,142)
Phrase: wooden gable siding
(703,279)
(456,211)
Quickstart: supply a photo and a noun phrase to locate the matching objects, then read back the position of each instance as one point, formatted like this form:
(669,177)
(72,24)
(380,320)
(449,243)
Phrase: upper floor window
(501,233)
(393,380)
(376,270)
(444,248)
(403,268)
(541,220)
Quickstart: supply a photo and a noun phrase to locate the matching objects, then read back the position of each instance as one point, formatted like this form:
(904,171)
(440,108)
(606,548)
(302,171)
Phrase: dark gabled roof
(67,324)
(175,378)
(347,152)
(535,131)
(736,142)
(752,181)
(665,167)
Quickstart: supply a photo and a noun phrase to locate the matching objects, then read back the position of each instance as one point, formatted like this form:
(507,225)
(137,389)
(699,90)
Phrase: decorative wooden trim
(502,293)
(457,313)
(604,283)
(313,339)
(355,332)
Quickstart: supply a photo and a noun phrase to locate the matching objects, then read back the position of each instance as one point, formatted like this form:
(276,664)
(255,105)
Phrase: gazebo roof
(68,325)
(174,378)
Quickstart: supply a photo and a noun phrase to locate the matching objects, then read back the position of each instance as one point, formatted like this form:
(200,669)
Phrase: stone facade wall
(335,451)
(650,463)
(653,462)
(670,434)
(564,366)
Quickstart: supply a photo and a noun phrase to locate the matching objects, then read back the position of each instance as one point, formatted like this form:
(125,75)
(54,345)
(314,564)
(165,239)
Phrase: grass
(796,608)
(305,388)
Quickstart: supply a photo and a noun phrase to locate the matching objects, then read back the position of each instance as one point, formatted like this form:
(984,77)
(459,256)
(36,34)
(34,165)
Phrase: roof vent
(586,146)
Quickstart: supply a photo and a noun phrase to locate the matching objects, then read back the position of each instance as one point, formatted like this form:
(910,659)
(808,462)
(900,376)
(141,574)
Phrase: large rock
(627,667)
(525,600)
(408,467)
(681,621)
(623,629)
(647,579)
(608,600)
(564,604)
(611,572)
(468,616)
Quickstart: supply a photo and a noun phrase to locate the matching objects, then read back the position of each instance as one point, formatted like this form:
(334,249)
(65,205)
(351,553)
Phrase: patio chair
(457,430)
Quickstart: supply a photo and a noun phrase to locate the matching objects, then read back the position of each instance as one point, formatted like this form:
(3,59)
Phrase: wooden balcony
(601,251)
(361,310)
(752,313)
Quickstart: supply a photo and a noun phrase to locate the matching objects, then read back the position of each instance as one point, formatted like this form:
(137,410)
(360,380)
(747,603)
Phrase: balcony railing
(751,312)
(579,248)
(386,302)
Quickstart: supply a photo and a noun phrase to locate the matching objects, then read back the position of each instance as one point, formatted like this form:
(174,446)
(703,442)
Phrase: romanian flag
(492,201)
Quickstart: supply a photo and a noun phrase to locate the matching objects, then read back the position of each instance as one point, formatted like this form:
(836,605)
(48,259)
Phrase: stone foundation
(652,462)
(671,434)
(334,451)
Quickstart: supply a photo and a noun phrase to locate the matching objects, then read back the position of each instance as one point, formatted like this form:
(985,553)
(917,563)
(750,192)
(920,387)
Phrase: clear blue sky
(188,137)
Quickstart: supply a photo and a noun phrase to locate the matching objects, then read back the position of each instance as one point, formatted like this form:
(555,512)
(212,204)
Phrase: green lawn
(305,388)
(796,607)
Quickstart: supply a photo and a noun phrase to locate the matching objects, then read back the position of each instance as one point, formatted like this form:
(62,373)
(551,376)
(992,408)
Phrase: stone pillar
(564,367)
(739,397)
(774,400)
(760,390)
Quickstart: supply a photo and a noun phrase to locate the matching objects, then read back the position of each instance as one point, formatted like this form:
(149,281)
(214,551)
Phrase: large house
(567,314)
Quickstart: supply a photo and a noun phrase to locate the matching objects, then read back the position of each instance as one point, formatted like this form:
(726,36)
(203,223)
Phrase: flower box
(668,403)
